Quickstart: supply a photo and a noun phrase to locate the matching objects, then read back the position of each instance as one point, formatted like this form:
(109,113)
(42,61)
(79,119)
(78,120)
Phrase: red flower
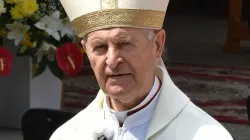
(5,61)
(69,59)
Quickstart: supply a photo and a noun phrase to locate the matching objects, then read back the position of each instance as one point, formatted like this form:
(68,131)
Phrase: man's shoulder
(201,124)
(194,113)
(70,126)
(83,124)
(212,132)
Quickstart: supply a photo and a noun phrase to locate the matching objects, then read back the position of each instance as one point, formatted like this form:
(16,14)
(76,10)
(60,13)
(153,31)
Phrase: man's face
(124,60)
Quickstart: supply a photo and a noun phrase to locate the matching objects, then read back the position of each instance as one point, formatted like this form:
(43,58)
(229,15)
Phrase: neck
(119,106)
(124,105)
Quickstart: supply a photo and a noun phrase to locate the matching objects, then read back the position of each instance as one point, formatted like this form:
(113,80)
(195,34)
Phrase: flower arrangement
(40,29)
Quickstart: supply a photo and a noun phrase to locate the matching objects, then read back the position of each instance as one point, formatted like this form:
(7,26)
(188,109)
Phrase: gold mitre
(90,15)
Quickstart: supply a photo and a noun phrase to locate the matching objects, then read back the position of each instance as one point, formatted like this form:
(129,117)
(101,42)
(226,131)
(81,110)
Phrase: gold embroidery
(118,18)
(109,4)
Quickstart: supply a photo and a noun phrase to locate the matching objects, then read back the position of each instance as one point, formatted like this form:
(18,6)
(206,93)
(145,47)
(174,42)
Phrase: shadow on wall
(213,8)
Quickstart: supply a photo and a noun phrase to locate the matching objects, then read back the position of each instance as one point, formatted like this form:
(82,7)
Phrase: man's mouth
(119,75)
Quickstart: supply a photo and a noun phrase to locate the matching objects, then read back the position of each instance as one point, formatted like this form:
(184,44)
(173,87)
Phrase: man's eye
(125,43)
(100,48)
(126,46)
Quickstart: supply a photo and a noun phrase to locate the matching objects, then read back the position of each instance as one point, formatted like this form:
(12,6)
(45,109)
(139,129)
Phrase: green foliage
(35,40)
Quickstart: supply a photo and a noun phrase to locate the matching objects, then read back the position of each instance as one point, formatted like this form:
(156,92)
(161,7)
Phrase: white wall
(45,91)
(14,92)
(18,92)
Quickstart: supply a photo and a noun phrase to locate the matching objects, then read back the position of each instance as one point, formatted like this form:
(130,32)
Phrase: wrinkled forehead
(116,33)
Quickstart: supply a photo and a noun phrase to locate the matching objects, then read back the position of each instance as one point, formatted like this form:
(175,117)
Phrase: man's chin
(117,91)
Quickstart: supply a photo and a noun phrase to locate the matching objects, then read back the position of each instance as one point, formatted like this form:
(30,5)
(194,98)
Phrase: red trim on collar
(134,111)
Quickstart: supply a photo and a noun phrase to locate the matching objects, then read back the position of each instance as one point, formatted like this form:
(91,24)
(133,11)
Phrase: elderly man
(137,100)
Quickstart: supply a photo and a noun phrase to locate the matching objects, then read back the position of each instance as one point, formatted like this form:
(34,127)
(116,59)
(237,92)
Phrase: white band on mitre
(90,15)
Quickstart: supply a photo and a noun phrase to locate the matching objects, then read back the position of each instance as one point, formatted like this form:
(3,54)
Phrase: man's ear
(160,37)
(83,42)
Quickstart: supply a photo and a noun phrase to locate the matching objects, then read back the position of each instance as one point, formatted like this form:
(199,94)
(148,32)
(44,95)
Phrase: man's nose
(113,57)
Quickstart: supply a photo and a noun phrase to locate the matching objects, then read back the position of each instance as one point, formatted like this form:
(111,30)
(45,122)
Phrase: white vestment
(134,126)
(174,117)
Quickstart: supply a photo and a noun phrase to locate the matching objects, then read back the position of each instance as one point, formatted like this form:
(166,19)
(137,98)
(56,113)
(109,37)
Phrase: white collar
(121,116)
